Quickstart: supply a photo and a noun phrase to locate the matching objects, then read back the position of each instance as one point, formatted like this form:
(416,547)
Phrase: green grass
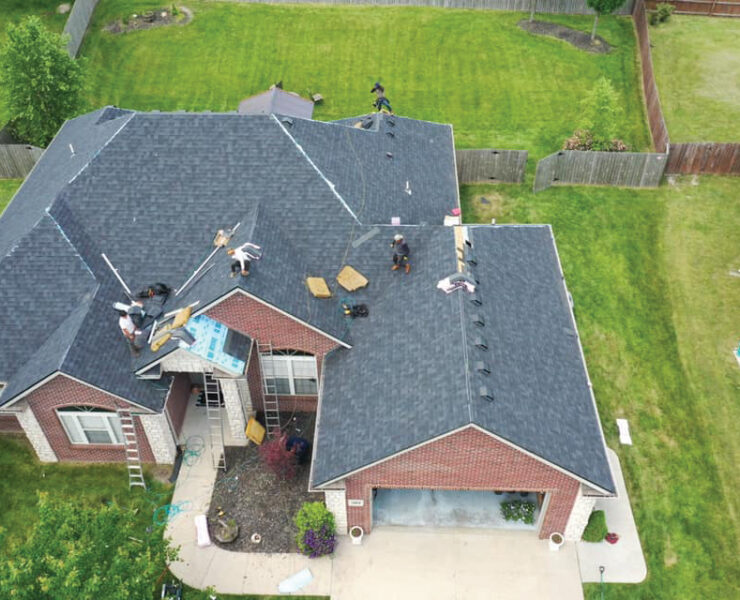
(8,187)
(89,485)
(697,69)
(497,84)
(657,311)
(13,11)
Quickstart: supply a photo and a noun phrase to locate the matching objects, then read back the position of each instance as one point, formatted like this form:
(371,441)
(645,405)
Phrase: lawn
(497,84)
(8,187)
(15,10)
(657,310)
(697,69)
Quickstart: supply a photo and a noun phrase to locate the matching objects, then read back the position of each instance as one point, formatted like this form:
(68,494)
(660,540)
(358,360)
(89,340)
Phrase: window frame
(289,357)
(73,413)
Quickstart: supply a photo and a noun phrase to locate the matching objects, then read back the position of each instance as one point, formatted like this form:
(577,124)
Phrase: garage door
(447,508)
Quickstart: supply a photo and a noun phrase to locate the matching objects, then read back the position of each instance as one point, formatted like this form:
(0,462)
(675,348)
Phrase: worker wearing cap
(129,330)
(400,253)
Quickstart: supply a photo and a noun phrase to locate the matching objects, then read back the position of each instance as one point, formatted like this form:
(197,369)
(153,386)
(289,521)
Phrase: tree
(601,113)
(40,84)
(602,7)
(76,553)
(278,458)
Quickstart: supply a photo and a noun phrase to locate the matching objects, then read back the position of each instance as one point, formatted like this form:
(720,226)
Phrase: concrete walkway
(624,561)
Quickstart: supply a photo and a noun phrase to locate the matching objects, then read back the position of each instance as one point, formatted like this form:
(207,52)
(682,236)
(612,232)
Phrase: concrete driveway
(448,564)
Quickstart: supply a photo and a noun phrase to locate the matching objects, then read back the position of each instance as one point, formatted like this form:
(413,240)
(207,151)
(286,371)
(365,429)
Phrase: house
(277,101)
(467,374)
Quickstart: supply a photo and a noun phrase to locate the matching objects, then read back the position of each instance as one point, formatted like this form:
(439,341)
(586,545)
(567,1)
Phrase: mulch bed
(579,39)
(257,500)
(151,19)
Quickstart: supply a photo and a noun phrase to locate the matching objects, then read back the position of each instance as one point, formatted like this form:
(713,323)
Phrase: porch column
(578,519)
(234,411)
(160,437)
(35,434)
(336,502)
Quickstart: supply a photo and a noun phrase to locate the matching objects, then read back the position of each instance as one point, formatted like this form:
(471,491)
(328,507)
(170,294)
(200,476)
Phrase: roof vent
(478,320)
(367,123)
(391,122)
(485,393)
(471,259)
(389,154)
(480,343)
(482,368)
(287,121)
(475,299)
(390,134)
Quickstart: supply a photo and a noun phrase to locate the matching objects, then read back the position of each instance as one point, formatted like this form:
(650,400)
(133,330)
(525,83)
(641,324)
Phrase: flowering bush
(518,510)
(277,458)
(583,139)
(316,530)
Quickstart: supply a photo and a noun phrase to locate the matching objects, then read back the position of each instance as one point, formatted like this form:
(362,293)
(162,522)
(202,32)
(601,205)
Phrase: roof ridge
(316,168)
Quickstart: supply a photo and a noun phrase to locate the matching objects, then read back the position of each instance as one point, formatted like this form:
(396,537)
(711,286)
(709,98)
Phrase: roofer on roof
(400,253)
(129,330)
(243,256)
(381,102)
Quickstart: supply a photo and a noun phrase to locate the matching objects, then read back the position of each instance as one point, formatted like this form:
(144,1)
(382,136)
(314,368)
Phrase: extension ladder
(212,394)
(270,397)
(131,445)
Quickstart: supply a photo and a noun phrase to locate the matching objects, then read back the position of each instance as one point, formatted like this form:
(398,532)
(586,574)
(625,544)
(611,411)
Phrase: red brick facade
(63,392)
(177,401)
(10,424)
(265,324)
(466,460)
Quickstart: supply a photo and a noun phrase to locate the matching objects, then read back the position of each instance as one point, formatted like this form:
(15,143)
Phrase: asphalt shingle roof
(277,101)
(151,189)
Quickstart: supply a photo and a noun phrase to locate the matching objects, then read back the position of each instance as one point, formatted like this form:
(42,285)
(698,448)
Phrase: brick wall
(177,403)
(264,324)
(10,424)
(61,392)
(467,460)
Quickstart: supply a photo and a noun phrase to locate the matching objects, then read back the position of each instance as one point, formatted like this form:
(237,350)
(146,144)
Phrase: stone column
(35,434)
(160,438)
(336,502)
(578,519)
(234,411)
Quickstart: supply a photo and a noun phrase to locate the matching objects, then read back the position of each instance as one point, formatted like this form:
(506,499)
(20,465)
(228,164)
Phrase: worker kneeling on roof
(243,256)
(400,253)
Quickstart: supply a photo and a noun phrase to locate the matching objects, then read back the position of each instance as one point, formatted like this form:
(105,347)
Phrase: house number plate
(352,502)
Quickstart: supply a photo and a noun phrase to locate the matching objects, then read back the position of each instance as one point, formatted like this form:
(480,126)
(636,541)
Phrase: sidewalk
(624,561)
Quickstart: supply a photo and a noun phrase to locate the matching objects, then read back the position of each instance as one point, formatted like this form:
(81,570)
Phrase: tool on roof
(222,235)
(175,329)
(352,310)
(118,276)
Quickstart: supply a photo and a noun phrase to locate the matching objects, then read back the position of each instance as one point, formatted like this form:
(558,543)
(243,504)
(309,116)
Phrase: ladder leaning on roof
(131,445)
(214,418)
(271,404)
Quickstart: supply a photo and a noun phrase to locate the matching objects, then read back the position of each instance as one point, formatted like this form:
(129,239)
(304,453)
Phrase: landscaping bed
(579,39)
(257,500)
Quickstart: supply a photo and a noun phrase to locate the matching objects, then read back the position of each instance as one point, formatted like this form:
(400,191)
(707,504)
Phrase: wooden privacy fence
(77,23)
(17,160)
(628,169)
(491,166)
(704,157)
(574,7)
(658,129)
(717,8)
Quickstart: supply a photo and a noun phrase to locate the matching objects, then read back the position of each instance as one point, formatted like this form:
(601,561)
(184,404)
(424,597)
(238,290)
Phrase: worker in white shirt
(129,330)
(243,256)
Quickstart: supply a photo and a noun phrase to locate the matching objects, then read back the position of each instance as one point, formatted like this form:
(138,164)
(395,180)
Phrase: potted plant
(556,540)
(355,533)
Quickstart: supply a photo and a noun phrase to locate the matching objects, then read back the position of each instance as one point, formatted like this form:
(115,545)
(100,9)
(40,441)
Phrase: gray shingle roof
(277,101)
(411,373)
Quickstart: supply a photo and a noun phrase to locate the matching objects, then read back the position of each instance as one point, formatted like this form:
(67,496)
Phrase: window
(87,425)
(289,372)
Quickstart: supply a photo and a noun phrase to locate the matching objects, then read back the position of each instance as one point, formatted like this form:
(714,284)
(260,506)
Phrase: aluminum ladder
(270,397)
(131,446)
(214,417)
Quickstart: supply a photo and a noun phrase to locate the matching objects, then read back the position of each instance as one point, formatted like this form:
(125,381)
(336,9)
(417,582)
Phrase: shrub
(596,529)
(654,19)
(518,510)
(316,530)
(664,11)
(277,458)
(583,139)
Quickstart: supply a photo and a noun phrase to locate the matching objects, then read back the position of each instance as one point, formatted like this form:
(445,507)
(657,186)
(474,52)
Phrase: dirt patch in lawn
(258,501)
(151,19)
(579,39)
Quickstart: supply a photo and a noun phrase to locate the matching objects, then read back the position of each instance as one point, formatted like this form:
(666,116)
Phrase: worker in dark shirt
(381,102)
(400,253)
